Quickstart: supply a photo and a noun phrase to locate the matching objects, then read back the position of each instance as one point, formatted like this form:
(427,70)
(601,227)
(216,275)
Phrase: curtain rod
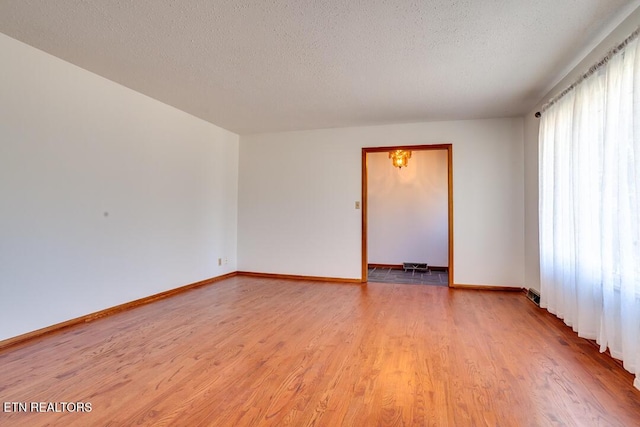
(595,67)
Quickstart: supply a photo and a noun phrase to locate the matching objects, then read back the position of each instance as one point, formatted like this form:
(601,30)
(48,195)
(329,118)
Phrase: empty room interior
(194,194)
(407,217)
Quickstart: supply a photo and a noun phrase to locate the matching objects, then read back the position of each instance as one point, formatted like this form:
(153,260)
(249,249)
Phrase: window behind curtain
(589,207)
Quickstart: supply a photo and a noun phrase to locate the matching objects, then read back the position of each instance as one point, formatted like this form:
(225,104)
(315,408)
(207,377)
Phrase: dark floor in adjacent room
(410,277)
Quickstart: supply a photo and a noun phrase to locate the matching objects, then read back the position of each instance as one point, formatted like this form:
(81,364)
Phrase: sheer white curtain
(590,207)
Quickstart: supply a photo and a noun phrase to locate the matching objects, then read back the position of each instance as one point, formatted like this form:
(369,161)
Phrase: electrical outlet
(226,261)
(219,261)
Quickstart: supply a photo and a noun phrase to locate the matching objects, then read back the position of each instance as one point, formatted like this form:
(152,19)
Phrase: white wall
(532,246)
(297,192)
(74,146)
(408,209)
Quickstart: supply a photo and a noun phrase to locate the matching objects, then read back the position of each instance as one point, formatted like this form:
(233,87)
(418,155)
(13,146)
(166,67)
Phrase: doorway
(447,149)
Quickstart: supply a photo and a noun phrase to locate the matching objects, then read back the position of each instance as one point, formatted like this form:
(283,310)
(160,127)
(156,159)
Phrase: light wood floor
(250,351)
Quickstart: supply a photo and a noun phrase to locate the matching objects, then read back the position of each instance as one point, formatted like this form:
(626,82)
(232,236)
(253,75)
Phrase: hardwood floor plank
(254,351)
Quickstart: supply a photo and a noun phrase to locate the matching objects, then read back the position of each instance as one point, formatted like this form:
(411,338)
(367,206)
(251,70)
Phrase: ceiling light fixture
(400,158)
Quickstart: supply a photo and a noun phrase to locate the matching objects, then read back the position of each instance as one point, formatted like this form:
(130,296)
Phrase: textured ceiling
(273,65)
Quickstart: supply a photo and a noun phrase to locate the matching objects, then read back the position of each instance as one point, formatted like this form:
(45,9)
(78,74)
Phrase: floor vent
(534,296)
(415,266)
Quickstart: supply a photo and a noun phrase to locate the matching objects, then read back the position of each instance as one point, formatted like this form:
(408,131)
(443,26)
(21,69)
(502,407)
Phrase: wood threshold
(487,288)
(109,311)
(297,277)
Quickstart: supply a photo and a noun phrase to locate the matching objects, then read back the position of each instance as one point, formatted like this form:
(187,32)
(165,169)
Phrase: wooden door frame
(367,150)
